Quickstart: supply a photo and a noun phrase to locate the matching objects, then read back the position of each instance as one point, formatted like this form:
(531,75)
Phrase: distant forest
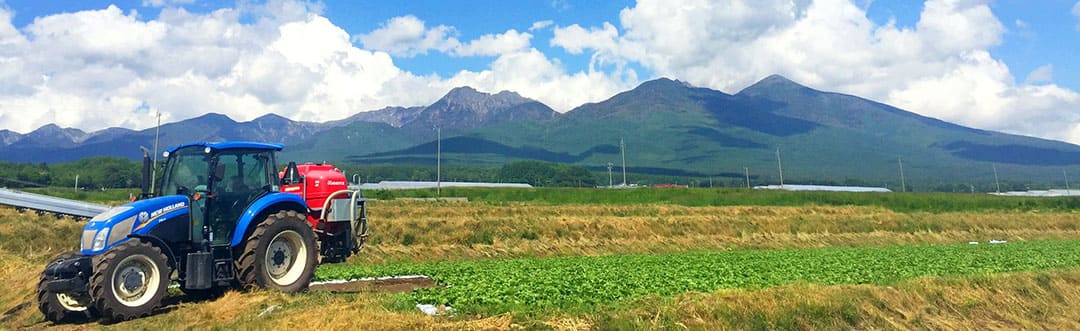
(114,172)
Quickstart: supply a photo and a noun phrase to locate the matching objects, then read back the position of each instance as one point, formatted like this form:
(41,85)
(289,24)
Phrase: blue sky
(1002,65)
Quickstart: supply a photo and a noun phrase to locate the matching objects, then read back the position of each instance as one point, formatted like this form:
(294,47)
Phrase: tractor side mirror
(292,175)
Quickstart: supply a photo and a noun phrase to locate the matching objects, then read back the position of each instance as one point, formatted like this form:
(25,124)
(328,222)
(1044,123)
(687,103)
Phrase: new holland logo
(167,209)
(146,218)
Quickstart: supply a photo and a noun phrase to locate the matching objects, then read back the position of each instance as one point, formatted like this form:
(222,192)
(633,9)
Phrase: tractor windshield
(185,172)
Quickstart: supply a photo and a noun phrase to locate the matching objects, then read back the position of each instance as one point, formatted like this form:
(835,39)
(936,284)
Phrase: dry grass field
(437,231)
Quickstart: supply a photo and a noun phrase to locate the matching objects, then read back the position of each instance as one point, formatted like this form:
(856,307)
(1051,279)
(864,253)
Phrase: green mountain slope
(670,128)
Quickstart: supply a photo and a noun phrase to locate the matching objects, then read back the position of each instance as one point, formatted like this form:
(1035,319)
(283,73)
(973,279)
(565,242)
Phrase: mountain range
(668,128)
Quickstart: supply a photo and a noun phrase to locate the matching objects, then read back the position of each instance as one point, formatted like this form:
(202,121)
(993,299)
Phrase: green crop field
(580,283)
(579,259)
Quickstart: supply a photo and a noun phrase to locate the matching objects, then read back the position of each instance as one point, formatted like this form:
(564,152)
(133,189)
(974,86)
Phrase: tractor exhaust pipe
(145,173)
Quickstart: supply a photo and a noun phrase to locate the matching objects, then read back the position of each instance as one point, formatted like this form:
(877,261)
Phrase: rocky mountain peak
(469,98)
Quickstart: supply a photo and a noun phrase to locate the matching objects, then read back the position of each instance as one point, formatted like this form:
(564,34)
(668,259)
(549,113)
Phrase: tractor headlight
(100,239)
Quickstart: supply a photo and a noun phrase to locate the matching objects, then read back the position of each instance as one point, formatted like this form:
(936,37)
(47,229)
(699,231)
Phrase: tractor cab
(221,181)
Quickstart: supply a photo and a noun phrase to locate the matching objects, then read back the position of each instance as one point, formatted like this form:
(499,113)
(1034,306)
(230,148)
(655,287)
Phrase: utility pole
(996,182)
(780,166)
(903,187)
(622,147)
(746,171)
(1066,174)
(438,162)
(76,182)
(153,167)
(610,182)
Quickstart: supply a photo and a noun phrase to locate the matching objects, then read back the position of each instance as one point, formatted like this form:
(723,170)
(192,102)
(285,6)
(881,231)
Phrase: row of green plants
(584,283)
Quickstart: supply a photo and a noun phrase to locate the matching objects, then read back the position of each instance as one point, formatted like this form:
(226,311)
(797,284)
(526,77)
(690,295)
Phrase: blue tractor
(221,216)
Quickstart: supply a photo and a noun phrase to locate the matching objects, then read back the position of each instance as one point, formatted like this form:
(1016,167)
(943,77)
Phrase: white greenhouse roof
(407,185)
(823,188)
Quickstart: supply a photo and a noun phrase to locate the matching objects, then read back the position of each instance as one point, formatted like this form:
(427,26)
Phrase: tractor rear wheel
(129,280)
(62,307)
(281,254)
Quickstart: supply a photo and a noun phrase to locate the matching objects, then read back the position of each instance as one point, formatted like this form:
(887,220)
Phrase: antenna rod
(780,166)
(153,168)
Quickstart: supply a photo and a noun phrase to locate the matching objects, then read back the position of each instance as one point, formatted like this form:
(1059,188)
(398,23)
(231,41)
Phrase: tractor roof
(230,145)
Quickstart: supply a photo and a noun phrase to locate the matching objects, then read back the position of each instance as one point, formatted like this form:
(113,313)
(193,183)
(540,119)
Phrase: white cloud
(1076,12)
(108,32)
(941,67)
(409,36)
(489,45)
(1043,74)
(104,68)
(560,5)
(163,3)
(95,69)
(576,39)
(540,25)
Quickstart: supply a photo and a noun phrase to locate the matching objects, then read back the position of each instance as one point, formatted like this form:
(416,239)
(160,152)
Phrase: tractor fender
(173,259)
(269,203)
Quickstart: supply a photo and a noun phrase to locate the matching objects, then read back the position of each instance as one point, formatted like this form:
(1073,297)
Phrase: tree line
(92,173)
(114,172)
(535,173)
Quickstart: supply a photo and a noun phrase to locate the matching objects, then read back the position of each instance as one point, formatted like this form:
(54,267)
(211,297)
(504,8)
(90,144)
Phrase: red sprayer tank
(320,180)
(338,215)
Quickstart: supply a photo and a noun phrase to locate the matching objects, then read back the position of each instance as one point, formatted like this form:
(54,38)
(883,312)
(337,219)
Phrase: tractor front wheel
(62,307)
(280,254)
(129,280)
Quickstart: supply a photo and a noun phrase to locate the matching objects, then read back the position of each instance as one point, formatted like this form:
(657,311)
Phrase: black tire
(118,264)
(289,265)
(60,307)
